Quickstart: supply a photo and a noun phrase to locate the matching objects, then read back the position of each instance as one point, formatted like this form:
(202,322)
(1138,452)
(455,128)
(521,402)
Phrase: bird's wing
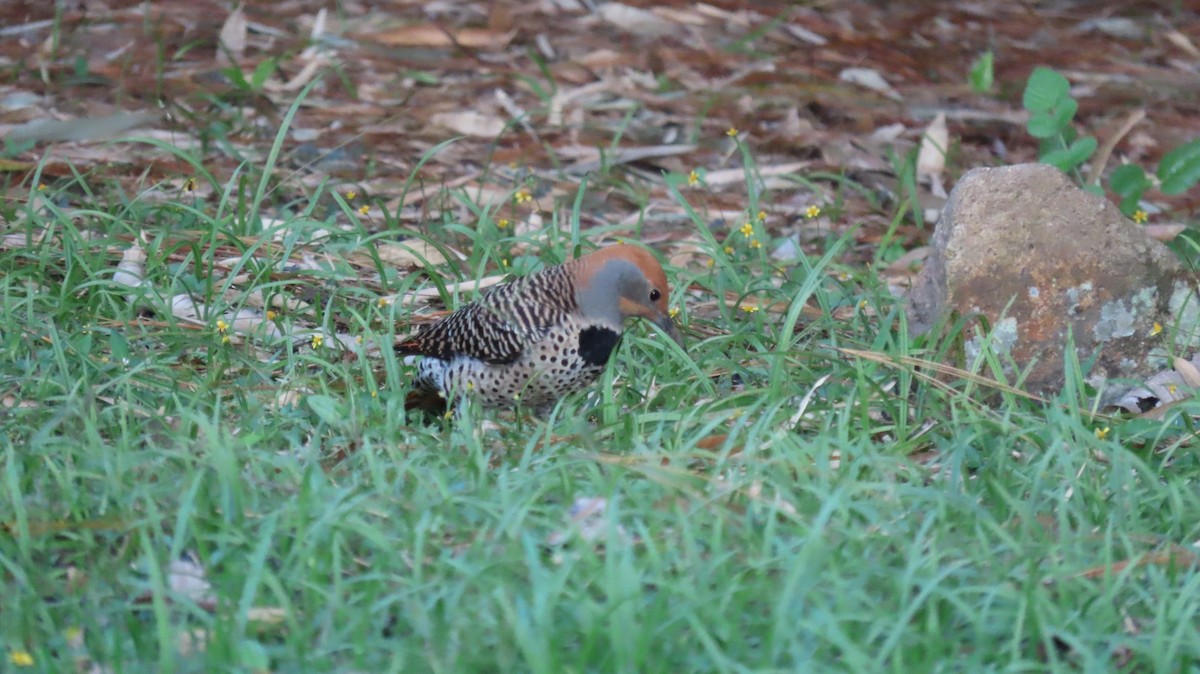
(501,324)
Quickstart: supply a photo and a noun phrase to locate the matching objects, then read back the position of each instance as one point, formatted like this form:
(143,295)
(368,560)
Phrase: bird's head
(624,281)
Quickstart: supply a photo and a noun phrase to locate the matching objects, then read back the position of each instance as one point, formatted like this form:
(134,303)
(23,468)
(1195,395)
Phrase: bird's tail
(430,404)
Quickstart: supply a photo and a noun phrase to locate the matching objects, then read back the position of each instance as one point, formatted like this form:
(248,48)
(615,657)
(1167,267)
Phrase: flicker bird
(541,337)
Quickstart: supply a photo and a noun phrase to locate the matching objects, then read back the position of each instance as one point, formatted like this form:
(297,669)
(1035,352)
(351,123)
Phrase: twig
(1106,149)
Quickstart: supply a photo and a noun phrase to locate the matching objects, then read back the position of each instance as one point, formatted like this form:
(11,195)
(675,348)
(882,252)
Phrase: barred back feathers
(541,337)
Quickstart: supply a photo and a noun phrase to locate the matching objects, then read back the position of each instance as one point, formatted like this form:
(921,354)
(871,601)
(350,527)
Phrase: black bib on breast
(596,344)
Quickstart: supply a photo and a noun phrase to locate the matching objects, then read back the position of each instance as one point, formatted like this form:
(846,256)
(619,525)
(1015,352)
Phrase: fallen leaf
(593,158)
(1183,42)
(738,175)
(432,293)
(410,254)
(232,39)
(1189,372)
(469,123)
(634,19)
(931,158)
(869,79)
(432,35)
(131,270)
(187,577)
(1165,231)
(79,129)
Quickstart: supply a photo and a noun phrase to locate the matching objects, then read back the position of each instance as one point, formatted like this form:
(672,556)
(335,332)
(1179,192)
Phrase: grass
(771,504)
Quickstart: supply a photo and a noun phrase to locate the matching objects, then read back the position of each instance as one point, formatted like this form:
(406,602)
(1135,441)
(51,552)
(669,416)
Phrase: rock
(1042,260)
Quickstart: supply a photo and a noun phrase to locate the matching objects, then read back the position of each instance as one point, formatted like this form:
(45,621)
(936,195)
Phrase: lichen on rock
(1043,262)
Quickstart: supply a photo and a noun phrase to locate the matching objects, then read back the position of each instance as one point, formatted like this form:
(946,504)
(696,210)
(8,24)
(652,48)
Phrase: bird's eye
(654,295)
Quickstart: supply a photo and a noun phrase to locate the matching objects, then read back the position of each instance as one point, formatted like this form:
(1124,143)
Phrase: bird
(539,338)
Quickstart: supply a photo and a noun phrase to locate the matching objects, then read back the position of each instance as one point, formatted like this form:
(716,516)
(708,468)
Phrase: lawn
(207,465)
(183,496)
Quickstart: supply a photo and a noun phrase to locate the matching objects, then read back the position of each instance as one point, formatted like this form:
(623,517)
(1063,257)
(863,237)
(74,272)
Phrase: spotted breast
(539,338)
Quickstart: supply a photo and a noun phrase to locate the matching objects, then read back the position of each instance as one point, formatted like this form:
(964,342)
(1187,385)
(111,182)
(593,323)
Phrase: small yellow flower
(189,185)
(502,223)
(271,315)
(364,209)
(374,394)
(1140,216)
(1156,329)
(1102,433)
(812,211)
(693,178)
(732,132)
(755,243)
(673,312)
(222,326)
(749,308)
(729,250)
(358,339)
(317,341)
(711,262)
(1171,388)
(523,196)
(383,302)
(503,263)
(863,304)
(762,216)
(747,230)
(41,187)
(20,658)
(351,195)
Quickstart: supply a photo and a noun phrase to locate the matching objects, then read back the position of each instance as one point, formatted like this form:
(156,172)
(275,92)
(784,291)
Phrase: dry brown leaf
(738,175)
(410,254)
(1188,371)
(185,308)
(22,240)
(188,578)
(247,321)
(868,78)
(464,287)
(931,158)
(432,35)
(1165,231)
(1183,42)
(1174,556)
(591,158)
(131,270)
(267,614)
(469,123)
(310,70)
(804,35)
(634,19)
(233,36)
(605,58)
(79,129)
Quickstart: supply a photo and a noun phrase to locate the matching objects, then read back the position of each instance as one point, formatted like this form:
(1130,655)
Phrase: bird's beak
(668,326)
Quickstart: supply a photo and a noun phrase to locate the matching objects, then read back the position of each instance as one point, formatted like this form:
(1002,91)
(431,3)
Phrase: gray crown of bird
(541,337)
